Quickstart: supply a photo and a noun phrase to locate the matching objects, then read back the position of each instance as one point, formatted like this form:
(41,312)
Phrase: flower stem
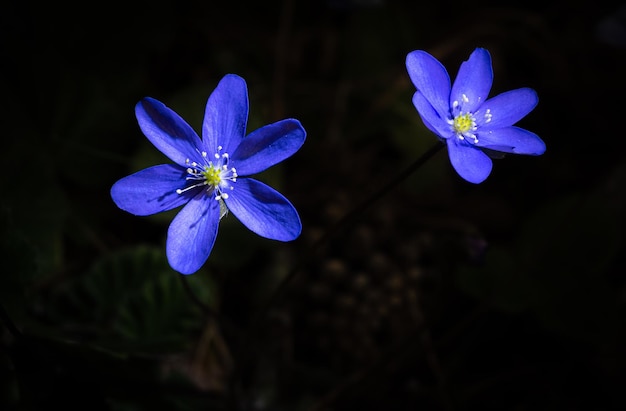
(343,222)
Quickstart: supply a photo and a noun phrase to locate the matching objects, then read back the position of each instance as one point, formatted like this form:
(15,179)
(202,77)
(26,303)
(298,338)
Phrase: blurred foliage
(441,296)
(132,296)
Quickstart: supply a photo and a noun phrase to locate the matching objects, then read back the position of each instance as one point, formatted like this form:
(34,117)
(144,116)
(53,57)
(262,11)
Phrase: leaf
(500,282)
(132,299)
(557,268)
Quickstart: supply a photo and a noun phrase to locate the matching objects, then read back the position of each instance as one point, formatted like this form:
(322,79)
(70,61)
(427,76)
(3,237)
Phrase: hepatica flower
(210,175)
(472,126)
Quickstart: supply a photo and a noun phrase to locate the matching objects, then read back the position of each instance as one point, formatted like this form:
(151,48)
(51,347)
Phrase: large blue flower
(209,174)
(471,125)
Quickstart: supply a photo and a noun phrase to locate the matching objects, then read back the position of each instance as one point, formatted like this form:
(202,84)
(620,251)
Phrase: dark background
(442,295)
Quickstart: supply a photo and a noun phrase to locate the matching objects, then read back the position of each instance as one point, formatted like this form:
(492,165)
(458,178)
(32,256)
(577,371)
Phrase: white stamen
(180,191)
(488,115)
(465,99)
(199,173)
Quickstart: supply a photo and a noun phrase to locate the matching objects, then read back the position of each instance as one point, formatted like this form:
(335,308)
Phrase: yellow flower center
(216,177)
(212,175)
(463,123)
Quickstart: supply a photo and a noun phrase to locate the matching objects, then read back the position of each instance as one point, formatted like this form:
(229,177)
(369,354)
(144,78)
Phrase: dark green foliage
(132,297)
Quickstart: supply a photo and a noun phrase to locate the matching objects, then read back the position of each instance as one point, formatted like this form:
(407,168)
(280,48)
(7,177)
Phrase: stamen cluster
(463,123)
(215,176)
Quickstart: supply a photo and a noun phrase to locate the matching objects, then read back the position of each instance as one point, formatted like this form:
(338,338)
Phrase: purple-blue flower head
(210,175)
(470,124)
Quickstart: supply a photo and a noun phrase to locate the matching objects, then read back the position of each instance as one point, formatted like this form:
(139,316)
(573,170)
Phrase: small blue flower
(210,174)
(471,125)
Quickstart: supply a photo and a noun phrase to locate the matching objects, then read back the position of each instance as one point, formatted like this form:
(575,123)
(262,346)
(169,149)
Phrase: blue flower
(472,126)
(210,174)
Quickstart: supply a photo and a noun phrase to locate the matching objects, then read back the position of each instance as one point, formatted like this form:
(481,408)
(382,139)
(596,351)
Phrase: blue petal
(151,190)
(430,117)
(431,78)
(473,81)
(267,146)
(192,233)
(469,162)
(167,130)
(512,140)
(507,108)
(264,210)
(226,115)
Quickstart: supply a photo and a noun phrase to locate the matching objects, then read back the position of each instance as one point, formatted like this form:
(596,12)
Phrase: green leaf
(132,298)
(557,267)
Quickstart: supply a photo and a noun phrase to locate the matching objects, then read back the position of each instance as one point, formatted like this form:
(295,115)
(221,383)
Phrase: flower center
(212,175)
(215,174)
(464,127)
(463,123)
